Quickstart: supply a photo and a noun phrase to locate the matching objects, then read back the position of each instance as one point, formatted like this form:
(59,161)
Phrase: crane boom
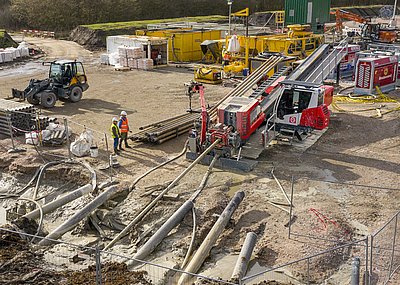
(345,15)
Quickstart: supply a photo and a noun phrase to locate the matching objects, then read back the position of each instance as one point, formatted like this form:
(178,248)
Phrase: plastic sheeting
(234,45)
(114,58)
(81,146)
(104,59)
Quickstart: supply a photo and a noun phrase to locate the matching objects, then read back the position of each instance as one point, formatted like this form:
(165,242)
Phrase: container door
(309,12)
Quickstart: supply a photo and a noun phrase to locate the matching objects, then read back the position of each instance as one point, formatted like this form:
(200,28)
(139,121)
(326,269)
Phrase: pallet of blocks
(145,64)
(128,57)
(122,54)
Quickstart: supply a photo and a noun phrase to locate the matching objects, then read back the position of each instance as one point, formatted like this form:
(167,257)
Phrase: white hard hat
(115,119)
(123,113)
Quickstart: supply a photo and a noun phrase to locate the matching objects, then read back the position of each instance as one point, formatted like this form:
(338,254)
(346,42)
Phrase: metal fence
(333,265)
(56,144)
(104,267)
(385,253)
(379,258)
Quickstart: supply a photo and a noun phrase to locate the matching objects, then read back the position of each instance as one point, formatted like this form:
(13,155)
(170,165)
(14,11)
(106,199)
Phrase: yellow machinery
(184,44)
(209,75)
(297,42)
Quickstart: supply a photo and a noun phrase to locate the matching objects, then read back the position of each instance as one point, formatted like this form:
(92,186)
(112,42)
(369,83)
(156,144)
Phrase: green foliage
(64,15)
(6,40)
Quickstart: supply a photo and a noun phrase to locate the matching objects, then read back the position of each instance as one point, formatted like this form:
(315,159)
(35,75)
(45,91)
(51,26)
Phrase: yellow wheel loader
(67,81)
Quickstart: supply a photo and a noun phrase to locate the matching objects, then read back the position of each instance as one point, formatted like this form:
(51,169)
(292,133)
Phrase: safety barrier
(104,267)
(38,33)
(317,268)
(385,253)
(308,221)
(30,129)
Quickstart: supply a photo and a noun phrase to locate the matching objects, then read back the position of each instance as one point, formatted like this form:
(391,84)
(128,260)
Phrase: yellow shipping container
(184,45)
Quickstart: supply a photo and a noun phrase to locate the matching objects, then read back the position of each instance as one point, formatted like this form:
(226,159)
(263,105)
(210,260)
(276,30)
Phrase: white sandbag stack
(23,49)
(18,53)
(133,63)
(113,58)
(7,56)
(104,59)
(123,57)
(145,64)
(1,57)
(13,52)
(134,52)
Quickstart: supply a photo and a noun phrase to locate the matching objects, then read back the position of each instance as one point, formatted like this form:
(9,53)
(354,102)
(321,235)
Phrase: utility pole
(393,20)
(230,2)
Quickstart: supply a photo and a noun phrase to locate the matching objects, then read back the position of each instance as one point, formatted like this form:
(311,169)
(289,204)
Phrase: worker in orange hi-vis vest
(226,57)
(123,125)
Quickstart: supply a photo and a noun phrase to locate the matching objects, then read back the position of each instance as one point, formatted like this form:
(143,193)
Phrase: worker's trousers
(124,138)
(116,140)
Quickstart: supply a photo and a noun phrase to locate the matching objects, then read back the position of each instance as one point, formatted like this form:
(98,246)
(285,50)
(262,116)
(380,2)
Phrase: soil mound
(95,39)
(6,40)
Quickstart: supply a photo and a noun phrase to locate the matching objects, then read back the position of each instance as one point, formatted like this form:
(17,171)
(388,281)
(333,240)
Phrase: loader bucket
(18,94)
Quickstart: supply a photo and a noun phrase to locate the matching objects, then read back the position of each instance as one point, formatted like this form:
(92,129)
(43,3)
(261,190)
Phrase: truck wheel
(32,100)
(48,99)
(75,94)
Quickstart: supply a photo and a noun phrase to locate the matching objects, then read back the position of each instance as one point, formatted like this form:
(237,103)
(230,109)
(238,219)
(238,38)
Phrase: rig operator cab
(304,105)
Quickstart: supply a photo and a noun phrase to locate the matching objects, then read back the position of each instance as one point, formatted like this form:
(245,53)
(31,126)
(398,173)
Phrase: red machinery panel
(244,114)
(328,96)
(317,118)
(375,71)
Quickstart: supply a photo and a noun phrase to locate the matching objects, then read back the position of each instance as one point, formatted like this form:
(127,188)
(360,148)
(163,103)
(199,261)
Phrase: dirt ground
(350,175)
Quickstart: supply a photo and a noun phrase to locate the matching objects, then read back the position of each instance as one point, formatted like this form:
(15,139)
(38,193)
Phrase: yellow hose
(364,99)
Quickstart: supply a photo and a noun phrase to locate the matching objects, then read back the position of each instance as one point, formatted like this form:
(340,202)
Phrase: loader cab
(67,73)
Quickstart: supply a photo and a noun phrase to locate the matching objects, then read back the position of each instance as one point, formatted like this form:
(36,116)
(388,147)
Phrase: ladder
(267,83)
(330,62)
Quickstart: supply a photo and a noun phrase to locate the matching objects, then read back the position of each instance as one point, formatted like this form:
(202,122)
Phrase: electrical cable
(190,249)
(8,196)
(30,181)
(158,166)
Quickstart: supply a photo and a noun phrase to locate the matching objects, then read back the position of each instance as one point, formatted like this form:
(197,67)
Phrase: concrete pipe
(79,216)
(204,249)
(244,257)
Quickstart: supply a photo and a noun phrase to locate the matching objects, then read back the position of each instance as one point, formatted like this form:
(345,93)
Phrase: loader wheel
(48,99)
(32,100)
(75,94)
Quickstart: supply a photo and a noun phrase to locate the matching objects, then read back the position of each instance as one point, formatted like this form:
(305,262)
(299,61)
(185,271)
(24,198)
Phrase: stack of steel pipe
(21,116)
(162,131)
